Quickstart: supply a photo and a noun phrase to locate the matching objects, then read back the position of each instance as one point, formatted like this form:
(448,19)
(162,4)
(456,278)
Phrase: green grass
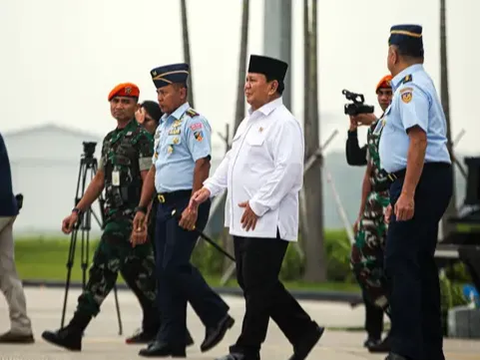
(45,258)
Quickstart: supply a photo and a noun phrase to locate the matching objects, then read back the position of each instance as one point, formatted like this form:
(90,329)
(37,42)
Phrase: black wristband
(141,208)
(77,210)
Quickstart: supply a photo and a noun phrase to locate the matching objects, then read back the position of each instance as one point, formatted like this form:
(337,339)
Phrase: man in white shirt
(263,173)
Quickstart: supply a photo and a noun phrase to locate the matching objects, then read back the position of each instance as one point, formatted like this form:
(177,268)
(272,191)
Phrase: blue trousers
(411,271)
(178,280)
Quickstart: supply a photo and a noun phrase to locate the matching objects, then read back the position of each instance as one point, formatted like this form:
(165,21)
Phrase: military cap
(124,89)
(272,68)
(408,38)
(384,82)
(170,74)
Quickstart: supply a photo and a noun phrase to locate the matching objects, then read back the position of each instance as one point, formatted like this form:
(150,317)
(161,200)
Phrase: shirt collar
(177,114)
(396,81)
(268,107)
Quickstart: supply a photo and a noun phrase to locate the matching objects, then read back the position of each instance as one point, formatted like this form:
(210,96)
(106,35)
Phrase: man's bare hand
(69,222)
(140,115)
(139,221)
(356,225)
(199,197)
(249,218)
(138,237)
(404,207)
(364,119)
(388,214)
(353,124)
(189,217)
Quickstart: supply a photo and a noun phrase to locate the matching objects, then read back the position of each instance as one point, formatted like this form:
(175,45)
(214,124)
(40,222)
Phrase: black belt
(173,196)
(430,165)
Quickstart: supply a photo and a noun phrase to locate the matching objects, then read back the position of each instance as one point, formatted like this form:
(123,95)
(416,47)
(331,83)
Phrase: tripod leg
(120,328)
(71,257)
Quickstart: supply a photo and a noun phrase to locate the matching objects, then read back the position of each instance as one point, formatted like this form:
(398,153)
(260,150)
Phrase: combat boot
(69,337)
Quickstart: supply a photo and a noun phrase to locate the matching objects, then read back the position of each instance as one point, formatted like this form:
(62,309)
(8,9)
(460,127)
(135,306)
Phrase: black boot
(69,337)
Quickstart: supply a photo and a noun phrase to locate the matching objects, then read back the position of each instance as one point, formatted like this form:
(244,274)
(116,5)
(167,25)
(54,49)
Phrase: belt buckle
(161,198)
(392,177)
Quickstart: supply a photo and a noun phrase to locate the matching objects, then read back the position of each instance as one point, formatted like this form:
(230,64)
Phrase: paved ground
(102,340)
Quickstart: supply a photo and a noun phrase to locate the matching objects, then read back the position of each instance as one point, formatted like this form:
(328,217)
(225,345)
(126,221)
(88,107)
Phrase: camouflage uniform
(367,252)
(125,152)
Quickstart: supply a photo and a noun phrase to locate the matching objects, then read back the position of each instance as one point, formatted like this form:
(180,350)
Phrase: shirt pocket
(255,139)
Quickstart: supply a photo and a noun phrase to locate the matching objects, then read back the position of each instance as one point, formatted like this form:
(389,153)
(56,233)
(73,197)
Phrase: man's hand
(357,223)
(353,124)
(138,236)
(189,217)
(364,119)
(69,222)
(199,197)
(139,222)
(404,207)
(140,115)
(249,218)
(388,214)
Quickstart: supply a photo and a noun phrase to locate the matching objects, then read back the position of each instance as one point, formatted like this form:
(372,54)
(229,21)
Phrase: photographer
(370,228)
(11,286)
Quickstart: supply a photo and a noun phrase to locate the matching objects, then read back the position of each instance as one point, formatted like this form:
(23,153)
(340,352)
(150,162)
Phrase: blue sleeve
(198,135)
(414,104)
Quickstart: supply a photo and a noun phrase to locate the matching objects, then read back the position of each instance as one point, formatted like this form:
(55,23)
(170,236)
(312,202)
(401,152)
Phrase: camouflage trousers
(115,254)
(367,252)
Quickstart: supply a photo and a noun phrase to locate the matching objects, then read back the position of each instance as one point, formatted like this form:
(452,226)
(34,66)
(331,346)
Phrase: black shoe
(238,356)
(141,337)
(68,338)
(393,356)
(215,334)
(306,344)
(383,347)
(189,340)
(160,349)
(13,338)
(371,342)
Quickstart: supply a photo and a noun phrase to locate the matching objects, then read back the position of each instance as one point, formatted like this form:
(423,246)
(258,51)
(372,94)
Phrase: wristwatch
(141,208)
(77,210)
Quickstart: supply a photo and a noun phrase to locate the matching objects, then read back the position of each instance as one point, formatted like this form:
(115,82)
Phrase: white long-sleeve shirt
(265,167)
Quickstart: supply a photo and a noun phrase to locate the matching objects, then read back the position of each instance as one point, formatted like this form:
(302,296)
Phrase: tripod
(88,163)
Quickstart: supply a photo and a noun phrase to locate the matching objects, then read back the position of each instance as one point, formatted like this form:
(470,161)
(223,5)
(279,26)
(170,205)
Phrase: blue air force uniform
(410,268)
(182,138)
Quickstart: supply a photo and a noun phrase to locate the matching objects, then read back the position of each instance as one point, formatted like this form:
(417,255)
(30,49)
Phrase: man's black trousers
(258,264)
(412,274)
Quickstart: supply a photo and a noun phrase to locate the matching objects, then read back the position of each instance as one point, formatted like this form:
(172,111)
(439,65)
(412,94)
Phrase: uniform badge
(176,140)
(407,96)
(170,149)
(196,126)
(198,135)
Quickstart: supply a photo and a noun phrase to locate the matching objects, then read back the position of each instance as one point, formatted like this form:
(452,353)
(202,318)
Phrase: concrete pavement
(102,340)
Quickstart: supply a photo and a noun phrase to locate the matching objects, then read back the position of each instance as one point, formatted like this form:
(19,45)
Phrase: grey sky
(60,58)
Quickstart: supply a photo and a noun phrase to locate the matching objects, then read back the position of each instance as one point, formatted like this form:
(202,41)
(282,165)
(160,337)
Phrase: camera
(89,148)
(358,106)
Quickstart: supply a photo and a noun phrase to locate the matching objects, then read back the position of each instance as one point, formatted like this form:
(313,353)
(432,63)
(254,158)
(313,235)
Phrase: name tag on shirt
(116,178)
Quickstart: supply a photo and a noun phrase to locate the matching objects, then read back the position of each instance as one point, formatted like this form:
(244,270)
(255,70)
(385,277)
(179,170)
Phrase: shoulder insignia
(406,79)
(407,96)
(192,113)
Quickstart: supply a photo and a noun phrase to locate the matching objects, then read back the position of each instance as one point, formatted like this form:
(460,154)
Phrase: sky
(61,58)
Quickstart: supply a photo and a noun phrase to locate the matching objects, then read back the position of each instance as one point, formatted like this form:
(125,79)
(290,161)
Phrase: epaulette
(192,113)
(406,79)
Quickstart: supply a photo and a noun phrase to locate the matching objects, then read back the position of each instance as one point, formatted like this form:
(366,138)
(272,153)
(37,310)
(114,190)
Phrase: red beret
(385,82)
(124,89)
